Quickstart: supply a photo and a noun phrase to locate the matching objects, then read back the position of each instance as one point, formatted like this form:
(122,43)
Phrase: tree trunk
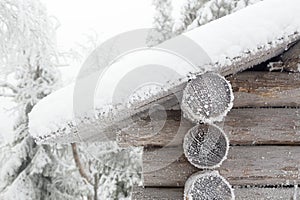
(96,178)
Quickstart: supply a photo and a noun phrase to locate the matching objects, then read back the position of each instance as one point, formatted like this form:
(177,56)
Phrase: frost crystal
(208,186)
(206,146)
(207,98)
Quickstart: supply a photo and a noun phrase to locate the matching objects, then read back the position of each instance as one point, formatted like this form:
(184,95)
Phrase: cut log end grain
(207,98)
(206,146)
(209,185)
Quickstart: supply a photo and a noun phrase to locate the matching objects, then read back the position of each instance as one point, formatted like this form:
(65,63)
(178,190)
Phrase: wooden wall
(264,132)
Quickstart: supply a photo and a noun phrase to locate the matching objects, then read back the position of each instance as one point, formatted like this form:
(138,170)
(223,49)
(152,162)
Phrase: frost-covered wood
(207,98)
(291,58)
(245,165)
(207,186)
(206,146)
(266,89)
(255,193)
(229,57)
(243,127)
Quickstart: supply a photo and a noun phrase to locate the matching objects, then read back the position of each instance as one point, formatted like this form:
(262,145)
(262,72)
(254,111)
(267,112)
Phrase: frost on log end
(209,185)
(206,146)
(207,98)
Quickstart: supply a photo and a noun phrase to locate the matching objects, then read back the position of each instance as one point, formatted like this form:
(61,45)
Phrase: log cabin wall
(264,132)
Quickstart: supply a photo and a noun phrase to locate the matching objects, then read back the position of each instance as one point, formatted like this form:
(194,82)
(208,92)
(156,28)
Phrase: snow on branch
(9,86)
(7,95)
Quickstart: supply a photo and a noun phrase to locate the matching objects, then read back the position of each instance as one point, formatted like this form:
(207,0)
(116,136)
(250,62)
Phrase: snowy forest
(32,66)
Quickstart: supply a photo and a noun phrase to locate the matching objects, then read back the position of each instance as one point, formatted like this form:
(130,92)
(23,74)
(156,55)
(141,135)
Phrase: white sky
(104,17)
(79,19)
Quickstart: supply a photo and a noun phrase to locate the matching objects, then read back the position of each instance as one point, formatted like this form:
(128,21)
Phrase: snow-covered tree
(212,10)
(199,12)
(189,13)
(109,171)
(31,171)
(163,22)
(28,53)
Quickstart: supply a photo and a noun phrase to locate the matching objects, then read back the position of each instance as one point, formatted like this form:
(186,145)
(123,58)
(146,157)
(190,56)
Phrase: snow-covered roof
(233,43)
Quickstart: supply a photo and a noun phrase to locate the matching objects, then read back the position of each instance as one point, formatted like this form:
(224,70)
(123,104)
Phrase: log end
(206,146)
(208,185)
(207,98)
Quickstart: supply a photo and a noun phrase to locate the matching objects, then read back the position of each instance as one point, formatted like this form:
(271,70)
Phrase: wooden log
(266,89)
(207,98)
(205,146)
(243,127)
(254,193)
(291,58)
(207,185)
(245,166)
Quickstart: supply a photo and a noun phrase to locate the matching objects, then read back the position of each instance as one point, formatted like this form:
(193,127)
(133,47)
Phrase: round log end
(207,98)
(208,186)
(206,146)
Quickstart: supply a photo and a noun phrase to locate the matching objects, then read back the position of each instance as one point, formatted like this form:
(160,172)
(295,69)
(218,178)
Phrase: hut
(257,51)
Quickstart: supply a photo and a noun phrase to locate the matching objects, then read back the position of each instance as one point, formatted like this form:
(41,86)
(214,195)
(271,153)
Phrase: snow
(295,192)
(60,110)
(7,117)
(225,39)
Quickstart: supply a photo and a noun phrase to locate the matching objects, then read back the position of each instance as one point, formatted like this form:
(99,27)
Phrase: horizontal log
(266,89)
(243,126)
(245,166)
(291,58)
(240,193)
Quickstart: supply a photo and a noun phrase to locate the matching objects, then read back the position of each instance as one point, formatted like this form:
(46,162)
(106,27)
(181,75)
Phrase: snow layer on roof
(248,28)
(264,24)
(55,111)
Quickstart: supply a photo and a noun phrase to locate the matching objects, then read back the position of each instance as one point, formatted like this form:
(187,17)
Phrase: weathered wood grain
(205,146)
(207,98)
(246,165)
(266,89)
(291,58)
(240,193)
(243,126)
(263,126)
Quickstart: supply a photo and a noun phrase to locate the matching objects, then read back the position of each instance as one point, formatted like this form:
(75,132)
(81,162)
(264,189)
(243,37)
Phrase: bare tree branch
(79,165)
(9,86)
